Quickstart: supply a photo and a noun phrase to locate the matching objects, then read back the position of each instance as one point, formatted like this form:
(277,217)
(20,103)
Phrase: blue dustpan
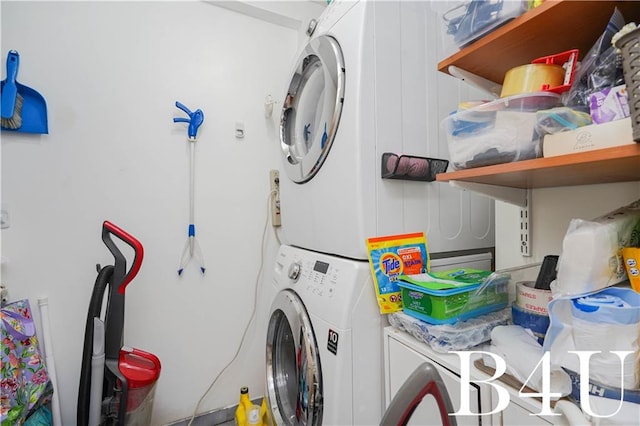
(34,107)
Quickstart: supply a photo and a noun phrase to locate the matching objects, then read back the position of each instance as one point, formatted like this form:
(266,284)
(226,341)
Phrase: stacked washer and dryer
(365,83)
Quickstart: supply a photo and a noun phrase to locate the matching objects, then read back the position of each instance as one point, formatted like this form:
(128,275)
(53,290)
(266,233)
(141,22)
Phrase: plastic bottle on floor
(253,415)
(241,411)
(263,411)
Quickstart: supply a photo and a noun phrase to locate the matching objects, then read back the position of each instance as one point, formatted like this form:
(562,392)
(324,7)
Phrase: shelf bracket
(515,196)
(525,227)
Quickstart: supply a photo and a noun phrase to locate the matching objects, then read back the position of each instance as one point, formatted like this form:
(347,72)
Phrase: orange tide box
(392,256)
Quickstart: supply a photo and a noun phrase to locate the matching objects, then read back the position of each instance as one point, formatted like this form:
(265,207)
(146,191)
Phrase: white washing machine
(365,84)
(324,349)
(324,342)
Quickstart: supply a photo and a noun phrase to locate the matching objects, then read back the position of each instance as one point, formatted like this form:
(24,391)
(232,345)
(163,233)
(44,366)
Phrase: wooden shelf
(618,164)
(553,27)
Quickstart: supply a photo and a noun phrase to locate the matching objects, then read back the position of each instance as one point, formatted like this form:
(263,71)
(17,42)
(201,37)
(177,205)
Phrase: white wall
(111,73)
(551,210)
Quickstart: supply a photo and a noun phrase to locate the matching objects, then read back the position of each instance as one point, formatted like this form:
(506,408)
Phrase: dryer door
(294,379)
(312,108)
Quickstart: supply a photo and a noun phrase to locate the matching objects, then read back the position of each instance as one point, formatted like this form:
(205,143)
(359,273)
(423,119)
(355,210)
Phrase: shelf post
(525,228)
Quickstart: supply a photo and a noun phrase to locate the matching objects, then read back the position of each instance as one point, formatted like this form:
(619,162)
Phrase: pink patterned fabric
(25,384)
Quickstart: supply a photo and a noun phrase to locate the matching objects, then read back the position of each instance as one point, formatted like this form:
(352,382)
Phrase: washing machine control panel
(332,14)
(294,271)
(314,276)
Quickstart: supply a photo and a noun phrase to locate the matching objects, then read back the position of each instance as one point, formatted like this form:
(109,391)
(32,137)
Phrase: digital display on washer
(321,267)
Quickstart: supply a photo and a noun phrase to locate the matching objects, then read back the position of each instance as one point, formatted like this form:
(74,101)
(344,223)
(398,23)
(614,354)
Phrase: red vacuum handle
(424,380)
(109,228)
(433,389)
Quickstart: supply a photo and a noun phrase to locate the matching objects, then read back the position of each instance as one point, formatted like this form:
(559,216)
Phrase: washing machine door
(312,108)
(294,379)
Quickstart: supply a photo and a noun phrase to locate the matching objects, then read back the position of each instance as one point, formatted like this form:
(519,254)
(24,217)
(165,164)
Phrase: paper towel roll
(532,299)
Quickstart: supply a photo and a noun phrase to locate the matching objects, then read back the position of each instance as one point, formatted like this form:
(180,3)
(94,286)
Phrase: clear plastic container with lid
(464,22)
(500,131)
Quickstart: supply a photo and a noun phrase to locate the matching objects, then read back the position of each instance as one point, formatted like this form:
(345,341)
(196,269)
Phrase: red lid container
(142,370)
(139,367)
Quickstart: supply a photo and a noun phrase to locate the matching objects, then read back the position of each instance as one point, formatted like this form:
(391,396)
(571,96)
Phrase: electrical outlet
(4,295)
(274,198)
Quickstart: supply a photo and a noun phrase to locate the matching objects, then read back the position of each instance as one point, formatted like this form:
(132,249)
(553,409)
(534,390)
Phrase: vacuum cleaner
(117,383)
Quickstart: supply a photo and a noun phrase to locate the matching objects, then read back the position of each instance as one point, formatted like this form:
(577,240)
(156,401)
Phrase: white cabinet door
(403,355)
(516,415)
(402,361)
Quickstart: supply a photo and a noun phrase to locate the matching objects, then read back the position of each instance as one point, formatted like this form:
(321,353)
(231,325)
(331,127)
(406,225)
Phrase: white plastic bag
(591,256)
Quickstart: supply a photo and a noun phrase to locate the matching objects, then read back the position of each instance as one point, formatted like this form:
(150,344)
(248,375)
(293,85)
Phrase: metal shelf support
(515,196)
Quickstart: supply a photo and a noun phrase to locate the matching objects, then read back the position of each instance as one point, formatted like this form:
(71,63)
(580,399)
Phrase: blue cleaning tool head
(195,119)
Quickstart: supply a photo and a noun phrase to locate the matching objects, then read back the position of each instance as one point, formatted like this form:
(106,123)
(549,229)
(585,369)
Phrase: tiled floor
(219,417)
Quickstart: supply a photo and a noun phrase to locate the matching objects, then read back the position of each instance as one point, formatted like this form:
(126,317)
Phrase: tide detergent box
(392,256)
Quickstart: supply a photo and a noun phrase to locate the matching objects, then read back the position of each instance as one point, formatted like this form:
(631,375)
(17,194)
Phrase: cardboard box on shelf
(589,138)
(609,104)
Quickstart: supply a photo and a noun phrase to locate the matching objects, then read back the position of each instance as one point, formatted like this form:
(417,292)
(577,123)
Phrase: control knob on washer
(294,271)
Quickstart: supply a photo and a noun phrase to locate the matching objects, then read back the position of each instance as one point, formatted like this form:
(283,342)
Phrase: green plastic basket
(469,299)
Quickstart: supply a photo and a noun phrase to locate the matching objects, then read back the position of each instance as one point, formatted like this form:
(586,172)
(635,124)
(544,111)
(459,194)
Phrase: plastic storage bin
(629,44)
(475,293)
(464,22)
(496,132)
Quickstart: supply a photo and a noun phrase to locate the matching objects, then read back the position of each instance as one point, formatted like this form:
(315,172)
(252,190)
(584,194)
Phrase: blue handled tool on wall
(23,109)
(191,248)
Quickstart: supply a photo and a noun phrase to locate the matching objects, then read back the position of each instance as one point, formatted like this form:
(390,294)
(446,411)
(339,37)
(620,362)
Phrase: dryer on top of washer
(366,83)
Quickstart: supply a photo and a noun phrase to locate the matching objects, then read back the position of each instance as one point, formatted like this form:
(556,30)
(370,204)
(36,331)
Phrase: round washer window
(294,380)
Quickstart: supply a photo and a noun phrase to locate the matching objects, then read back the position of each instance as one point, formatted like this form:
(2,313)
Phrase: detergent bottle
(253,416)
(241,411)
(252,412)
(263,412)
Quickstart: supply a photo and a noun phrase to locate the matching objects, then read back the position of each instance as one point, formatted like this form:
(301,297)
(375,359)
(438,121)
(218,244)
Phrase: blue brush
(12,101)
(24,110)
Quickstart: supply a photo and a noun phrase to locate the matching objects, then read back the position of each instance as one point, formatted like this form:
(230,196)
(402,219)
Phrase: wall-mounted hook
(268,106)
